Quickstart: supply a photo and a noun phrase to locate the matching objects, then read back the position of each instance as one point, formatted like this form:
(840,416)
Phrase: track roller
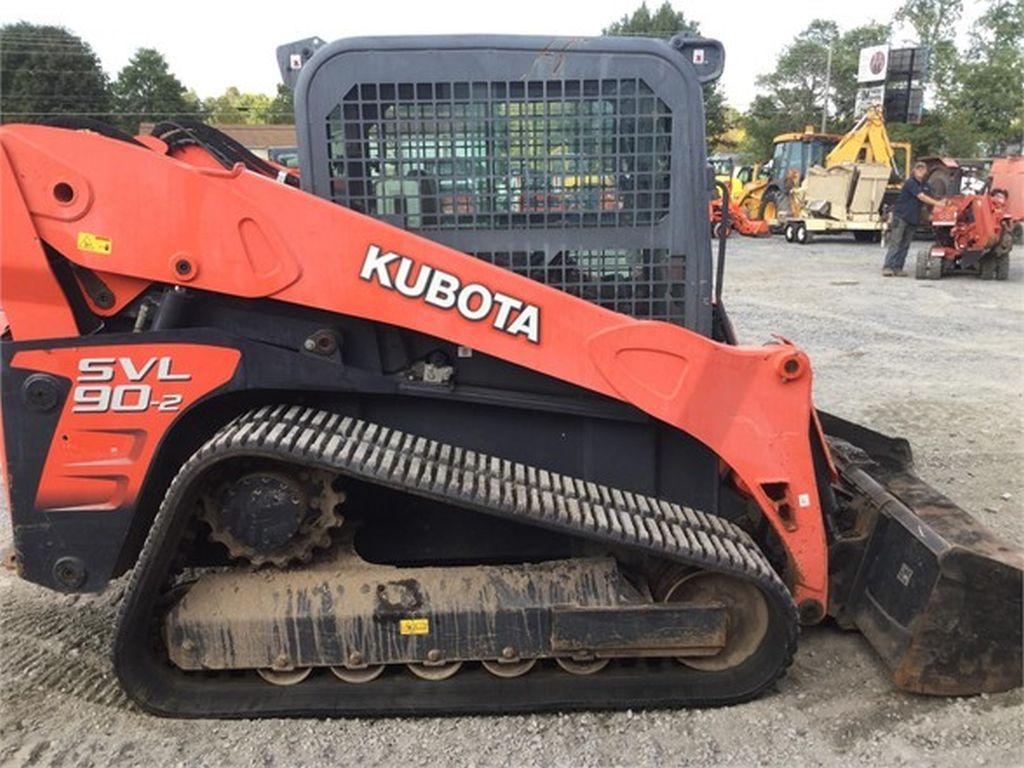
(357,676)
(581,667)
(746,615)
(285,676)
(509,669)
(435,672)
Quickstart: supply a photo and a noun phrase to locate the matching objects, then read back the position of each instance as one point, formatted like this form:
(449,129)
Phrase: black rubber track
(471,480)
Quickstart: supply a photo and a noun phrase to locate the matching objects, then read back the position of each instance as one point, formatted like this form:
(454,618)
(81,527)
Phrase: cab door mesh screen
(530,156)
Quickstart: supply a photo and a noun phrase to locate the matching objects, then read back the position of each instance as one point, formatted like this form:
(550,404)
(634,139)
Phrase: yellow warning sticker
(94,243)
(414,626)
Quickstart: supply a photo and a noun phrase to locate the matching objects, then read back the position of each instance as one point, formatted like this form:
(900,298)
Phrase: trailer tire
(801,234)
(789,233)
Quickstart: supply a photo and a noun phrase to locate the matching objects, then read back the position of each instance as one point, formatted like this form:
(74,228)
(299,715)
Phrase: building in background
(271,142)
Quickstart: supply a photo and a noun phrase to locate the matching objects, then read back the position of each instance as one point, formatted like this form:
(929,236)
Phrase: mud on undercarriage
(684,587)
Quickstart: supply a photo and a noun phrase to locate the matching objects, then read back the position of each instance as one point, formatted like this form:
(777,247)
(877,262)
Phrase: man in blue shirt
(905,216)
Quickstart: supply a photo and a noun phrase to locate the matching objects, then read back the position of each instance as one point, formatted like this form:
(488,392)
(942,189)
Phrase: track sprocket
(321,501)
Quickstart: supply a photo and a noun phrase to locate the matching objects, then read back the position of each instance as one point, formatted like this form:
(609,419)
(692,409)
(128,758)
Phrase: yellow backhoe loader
(769,196)
(851,191)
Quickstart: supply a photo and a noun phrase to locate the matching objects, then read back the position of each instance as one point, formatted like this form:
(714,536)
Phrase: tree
(282,108)
(762,122)
(233,106)
(935,23)
(146,90)
(46,72)
(666,22)
(797,84)
(977,97)
(794,92)
(985,103)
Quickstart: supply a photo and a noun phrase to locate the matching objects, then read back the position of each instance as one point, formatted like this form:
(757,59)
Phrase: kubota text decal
(444,290)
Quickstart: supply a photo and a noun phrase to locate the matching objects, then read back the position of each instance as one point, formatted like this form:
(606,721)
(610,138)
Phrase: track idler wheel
(746,614)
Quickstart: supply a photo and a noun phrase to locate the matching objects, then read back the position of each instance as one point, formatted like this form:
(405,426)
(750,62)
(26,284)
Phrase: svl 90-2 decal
(92,396)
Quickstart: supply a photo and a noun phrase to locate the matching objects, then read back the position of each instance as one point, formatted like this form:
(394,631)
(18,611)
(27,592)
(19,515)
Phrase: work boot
(886,272)
(899,273)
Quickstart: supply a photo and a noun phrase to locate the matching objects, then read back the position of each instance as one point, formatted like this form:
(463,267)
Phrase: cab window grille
(536,154)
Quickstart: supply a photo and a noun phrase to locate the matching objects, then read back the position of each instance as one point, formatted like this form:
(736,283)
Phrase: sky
(212,45)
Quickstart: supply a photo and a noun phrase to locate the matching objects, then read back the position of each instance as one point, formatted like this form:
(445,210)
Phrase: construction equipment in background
(439,431)
(775,199)
(973,235)
(853,190)
(724,168)
(868,142)
(843,198)
(1008,173)
(737,221)
(767,196)
(946,177)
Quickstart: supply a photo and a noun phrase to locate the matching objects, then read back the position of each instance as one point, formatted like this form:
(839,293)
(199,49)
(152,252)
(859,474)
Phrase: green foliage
(978,99)
(763,121)
(935,23)
(927,138)
(666,22)
(46,72)
(797,84)
(282,108)
(233,106)
(145,90)
(795,90)
(977,102)
(986,101)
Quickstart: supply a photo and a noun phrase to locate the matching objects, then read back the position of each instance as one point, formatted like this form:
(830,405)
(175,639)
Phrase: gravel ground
(940,363)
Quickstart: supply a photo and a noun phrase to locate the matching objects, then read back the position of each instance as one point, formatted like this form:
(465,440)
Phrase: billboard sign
(869,96)
(873,64)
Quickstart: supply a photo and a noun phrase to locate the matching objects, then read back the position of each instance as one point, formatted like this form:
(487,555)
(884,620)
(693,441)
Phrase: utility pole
(828,83)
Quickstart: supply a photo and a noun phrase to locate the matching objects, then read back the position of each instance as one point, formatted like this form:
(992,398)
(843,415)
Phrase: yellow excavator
(769,193)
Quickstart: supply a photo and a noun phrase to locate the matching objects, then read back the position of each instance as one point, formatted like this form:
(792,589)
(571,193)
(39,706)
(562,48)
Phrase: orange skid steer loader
(373,440)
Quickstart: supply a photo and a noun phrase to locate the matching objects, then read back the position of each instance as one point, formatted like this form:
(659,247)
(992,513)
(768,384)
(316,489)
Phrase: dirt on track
(939,363)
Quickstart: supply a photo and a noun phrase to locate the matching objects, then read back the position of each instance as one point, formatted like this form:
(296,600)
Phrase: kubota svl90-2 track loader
(484,421)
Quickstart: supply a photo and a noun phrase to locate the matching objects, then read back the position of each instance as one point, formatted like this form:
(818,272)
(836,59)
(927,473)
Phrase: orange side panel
(122,400)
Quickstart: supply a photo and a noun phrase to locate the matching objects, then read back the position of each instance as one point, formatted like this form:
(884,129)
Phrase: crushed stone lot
(941,363)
